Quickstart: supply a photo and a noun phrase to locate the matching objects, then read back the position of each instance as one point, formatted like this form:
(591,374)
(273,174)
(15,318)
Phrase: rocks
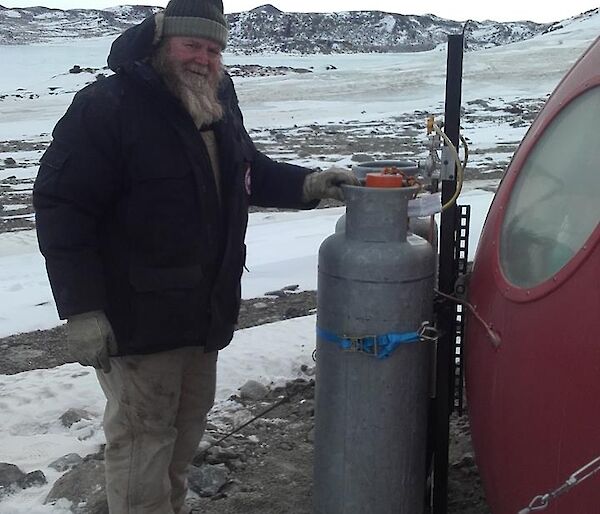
(284,291)
(289,303)
(465,461)
(303,153)
(308,370)
(78,69)
(514,109)
(66,463)
(256,70)
(316,145)
(274,470)
(72,416)
(253,390)
(265,468)
(306,406)
(208,440)
(13,479)
(279,293)
(362,157)
(9,161)
(219,455)
(293,312)
(9,474)
(207,480)
(33,479)
(261,30)
(83,486)
(298,387)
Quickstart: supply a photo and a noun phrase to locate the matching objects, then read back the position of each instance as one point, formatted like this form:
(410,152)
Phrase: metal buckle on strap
(359,344)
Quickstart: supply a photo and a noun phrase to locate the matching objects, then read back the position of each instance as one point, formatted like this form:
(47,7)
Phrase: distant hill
(267,29)
(35,24)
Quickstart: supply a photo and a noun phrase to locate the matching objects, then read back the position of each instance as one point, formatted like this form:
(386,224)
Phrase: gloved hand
(327,184)
(91,339)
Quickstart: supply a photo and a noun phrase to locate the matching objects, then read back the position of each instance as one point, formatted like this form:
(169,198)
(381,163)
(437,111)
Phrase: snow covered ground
(282,247)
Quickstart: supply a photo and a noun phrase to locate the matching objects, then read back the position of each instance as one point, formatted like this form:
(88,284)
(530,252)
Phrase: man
(141,209)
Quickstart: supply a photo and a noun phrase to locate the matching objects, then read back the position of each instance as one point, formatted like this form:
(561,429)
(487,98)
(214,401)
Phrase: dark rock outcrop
(267,29)
(83,486)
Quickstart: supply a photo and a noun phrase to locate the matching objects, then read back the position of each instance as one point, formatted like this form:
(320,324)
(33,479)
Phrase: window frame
(545,119)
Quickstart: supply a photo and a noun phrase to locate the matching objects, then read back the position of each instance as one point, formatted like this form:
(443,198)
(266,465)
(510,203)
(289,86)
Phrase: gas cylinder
(375,286)
(424,226)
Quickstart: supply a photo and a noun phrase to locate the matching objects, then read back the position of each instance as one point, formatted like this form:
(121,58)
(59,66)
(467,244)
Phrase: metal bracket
(448,165)
(461,259)
(461,286)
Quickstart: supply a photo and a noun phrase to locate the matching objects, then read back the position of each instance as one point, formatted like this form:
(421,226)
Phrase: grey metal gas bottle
(426,227)
(375,284)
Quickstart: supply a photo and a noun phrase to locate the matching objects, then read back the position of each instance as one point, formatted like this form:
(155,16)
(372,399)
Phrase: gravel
(274,473)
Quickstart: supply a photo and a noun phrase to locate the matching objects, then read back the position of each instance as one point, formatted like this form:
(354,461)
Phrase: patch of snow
(388,23)
(10,14)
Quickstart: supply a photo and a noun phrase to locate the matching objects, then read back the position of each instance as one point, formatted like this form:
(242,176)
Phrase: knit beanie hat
(196,18)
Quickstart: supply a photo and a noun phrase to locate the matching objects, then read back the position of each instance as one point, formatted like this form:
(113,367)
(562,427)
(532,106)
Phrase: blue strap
(381,346)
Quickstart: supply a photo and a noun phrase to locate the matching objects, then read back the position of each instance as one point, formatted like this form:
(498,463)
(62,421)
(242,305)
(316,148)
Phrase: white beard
(197,91)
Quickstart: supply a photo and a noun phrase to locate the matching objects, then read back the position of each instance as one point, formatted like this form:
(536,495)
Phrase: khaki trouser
(154,420)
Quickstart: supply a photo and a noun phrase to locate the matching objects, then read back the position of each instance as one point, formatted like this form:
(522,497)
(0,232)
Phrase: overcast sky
(507,10)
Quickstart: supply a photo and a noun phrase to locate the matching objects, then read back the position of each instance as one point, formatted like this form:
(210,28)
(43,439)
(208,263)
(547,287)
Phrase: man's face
(192,70)
(194,56)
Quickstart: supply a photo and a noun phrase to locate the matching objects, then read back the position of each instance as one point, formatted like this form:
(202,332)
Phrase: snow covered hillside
(267,29)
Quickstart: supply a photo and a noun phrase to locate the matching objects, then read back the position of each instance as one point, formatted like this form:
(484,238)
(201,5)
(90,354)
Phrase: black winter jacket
(127,211)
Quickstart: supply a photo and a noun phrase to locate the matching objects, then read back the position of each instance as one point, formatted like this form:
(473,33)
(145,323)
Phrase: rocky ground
(47,348)
(317,146)
(267,466)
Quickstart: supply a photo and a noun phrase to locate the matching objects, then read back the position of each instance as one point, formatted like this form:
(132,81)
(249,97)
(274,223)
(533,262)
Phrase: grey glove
(327,184)
(91,339)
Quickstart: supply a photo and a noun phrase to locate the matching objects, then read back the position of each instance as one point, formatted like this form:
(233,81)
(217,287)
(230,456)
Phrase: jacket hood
(134,45)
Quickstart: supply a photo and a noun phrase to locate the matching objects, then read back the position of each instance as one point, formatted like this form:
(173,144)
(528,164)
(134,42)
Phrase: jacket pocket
(147,279)
(169,308)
